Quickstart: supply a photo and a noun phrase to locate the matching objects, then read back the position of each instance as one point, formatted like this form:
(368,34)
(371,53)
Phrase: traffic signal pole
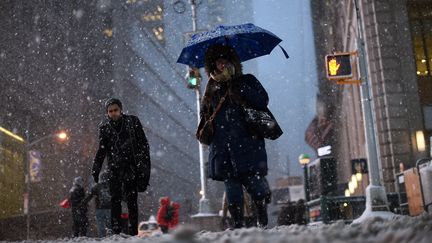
(204,203)
(376,197)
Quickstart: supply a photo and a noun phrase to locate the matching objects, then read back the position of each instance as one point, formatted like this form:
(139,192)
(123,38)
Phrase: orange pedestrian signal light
(338,66)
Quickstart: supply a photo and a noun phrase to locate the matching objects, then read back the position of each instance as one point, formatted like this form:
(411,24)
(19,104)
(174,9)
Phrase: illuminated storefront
(12,155)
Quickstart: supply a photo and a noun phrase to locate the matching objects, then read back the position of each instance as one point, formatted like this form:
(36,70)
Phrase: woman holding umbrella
(237,152)
(237,157)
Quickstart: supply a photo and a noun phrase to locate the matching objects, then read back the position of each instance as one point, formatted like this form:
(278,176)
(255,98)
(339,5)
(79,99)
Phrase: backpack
(169,213)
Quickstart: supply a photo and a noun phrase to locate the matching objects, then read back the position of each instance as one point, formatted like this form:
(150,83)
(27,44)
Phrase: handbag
(205,130)
(262,123)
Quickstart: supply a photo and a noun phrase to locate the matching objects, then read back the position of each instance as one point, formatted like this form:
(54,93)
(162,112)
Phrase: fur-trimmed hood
(213,53)
(217,51)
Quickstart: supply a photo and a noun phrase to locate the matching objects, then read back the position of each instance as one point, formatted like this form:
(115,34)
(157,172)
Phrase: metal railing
(335,208)
(419,163)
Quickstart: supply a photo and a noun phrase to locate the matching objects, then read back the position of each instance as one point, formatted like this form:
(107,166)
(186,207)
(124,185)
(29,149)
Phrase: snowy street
(402,229)
(216,121)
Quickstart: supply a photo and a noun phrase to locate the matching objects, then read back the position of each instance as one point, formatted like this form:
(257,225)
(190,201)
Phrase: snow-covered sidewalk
(402,229)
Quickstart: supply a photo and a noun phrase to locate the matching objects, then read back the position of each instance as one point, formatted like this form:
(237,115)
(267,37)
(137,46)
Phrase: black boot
(236,212)
(261,211)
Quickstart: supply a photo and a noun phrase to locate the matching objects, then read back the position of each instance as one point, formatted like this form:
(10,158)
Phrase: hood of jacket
(215,52)
(78,181)
(164,201)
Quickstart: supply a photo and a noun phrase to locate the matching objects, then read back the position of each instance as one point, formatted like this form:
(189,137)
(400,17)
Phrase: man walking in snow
(122,140)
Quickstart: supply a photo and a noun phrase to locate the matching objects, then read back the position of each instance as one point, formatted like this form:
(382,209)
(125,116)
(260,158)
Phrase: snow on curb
(399,229)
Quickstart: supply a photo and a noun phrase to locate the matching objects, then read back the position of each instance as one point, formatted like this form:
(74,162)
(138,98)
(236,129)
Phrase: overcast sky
(291,83)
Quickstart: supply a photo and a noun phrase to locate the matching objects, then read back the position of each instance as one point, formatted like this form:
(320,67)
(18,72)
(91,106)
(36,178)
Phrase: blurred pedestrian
(102,197)
(287,214)
(168,214)
(293,213)
(301,212)
(79,209)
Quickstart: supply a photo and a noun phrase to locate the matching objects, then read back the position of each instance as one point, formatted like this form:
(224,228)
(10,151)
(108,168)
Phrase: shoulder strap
(218,107)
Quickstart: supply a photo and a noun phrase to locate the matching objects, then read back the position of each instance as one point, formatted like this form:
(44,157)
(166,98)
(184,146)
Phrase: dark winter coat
(101,193)
(79,210)
(234,150)
(126,147)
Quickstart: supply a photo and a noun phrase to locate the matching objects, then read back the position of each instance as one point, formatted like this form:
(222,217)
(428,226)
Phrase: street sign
(338,66)
(35,165)
(326,150)
(296,193)
(322,177)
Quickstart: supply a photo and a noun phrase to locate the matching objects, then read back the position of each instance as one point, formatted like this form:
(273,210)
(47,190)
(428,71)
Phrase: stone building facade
(400,82)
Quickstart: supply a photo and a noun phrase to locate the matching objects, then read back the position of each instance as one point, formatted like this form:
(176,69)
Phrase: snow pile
(400,229)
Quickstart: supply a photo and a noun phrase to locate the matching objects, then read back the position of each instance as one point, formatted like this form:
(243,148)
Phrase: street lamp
(304,160)
(354,181)
(359,176)
(61,136)
(351,187)
(421,143)
(347,193)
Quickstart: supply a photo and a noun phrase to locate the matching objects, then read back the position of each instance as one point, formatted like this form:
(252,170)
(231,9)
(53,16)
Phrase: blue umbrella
(248,40)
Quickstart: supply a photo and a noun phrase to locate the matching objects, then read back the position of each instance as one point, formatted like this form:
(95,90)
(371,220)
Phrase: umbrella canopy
(248,40)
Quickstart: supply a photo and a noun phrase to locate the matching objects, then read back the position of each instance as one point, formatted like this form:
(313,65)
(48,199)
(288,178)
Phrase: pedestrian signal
(193,78)
(338,66)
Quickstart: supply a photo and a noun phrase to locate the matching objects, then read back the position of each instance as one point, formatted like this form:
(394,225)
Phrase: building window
(427,112)
(420,16)
(152,18)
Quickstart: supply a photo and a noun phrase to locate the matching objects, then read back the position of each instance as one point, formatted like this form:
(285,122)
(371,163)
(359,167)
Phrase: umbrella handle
(284,52)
